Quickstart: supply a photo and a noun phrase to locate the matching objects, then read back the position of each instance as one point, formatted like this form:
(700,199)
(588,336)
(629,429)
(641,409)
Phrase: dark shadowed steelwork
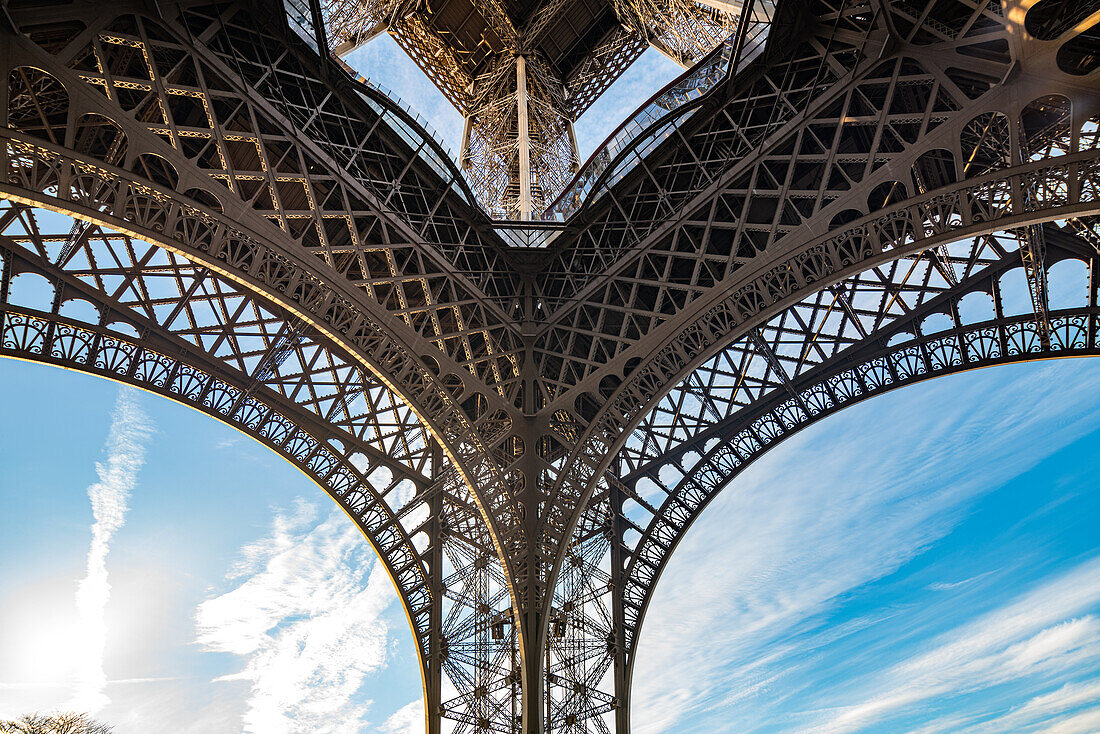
(524,418)
(522,71)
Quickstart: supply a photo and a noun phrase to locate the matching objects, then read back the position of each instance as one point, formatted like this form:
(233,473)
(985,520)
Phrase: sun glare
(41,645)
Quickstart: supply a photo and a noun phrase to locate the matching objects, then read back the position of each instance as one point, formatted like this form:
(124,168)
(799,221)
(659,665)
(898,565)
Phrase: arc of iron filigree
(159,361)
(1066,184)
(901,354)
(972,209)
(152,208)
(982,200)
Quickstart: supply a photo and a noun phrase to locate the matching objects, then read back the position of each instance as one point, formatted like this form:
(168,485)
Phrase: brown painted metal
(198,201)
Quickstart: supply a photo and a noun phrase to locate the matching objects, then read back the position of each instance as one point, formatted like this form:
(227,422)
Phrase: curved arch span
(40,337)
(153,214)
(968,307)
(53,316)
(280,262)
(918,361)
(1015,193)
(61,303)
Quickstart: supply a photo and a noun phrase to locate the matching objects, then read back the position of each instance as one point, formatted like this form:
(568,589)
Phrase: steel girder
(804,212)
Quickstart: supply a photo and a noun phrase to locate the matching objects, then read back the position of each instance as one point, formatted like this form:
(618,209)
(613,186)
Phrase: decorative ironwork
(526,419)
(522,73)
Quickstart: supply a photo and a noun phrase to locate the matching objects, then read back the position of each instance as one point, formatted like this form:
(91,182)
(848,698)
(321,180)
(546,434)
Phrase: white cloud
(306,614)
(130,429)
(952,585)
(1085,722)
(745,599)
(1061,707)
(409,719)
(1037,634)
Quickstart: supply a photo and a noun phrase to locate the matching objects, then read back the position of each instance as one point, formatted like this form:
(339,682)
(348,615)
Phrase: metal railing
(663,113)
(416,131)
(397,114)
(620,152)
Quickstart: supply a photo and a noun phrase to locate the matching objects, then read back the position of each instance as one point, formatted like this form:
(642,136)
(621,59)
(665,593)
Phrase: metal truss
(518,147)
(201,202)
(101,302)
(830,351)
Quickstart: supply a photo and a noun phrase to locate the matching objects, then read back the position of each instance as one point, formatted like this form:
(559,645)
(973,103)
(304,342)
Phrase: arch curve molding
(49,338)
(928,314)
(40,175)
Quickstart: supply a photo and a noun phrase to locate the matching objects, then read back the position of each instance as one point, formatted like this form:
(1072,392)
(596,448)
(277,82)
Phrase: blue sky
(240,597)
(923,562)
(926,561)
(383,61)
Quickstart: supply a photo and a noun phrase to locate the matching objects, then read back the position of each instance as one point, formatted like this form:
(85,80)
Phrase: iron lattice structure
(521,72)
(197,201)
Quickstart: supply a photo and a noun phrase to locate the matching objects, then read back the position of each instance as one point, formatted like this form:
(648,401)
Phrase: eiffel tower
(521,376)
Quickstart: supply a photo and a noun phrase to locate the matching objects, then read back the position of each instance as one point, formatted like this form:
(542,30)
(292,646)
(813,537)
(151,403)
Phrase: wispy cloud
(1039,633)
(952,585)
(754,589)
(1071,708)
(385,63)
(129,433)
(636,85)
(409,719)
(306,614)
(228,443)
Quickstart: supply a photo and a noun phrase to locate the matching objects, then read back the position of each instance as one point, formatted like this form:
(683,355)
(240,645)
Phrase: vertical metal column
(574,151)
(433,685)
(464,151)
(524,139)
(618,616)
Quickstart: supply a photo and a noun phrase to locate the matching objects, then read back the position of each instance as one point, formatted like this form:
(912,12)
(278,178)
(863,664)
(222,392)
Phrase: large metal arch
(160,365)
(467,417)
(898,355)
(1025,190)
(247,250)
(1072,322)
(207,239)
(808,258)
(451,560)
(415,510)
(605,515)
(998,199)
(946,215)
